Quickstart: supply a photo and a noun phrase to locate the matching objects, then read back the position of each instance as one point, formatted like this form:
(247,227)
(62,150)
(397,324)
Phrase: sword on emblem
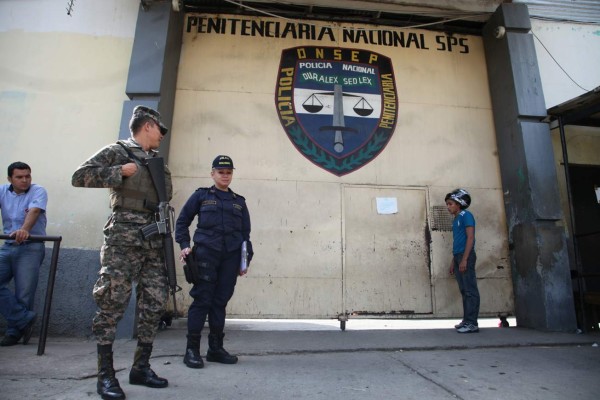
(362,108)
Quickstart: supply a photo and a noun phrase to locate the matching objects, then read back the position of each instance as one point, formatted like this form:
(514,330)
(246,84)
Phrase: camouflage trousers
(121,266)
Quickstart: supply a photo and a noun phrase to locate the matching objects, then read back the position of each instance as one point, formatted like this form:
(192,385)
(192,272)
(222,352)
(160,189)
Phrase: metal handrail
(50,285)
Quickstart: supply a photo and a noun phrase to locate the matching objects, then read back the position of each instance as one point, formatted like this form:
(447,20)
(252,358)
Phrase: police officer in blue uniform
(223,225)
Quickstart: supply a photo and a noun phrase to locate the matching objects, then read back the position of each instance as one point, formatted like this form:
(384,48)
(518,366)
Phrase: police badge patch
(338,106)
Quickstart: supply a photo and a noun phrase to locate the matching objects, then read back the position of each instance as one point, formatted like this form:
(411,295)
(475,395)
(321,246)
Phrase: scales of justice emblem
(337,106)
(362,108)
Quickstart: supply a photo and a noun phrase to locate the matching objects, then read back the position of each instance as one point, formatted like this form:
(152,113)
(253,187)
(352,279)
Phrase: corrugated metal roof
(585,11)
(583,110)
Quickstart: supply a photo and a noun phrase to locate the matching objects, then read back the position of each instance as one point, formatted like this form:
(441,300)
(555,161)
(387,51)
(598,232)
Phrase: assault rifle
(165,215)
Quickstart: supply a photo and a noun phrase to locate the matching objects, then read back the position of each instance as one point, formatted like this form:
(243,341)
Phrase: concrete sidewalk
(407,359)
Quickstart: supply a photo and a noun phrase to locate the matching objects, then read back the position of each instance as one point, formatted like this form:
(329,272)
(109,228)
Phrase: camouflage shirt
(103,170)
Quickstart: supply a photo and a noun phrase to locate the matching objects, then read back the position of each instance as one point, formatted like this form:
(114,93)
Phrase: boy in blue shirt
(463,260)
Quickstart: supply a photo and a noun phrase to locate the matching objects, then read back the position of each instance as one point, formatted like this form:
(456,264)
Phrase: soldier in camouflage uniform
(125,256)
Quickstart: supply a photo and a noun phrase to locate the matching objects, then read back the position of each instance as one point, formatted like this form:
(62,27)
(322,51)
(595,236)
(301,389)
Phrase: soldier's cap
(143,111)
(222,162)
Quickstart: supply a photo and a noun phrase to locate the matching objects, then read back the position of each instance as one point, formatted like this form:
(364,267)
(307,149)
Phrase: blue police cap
(222,162)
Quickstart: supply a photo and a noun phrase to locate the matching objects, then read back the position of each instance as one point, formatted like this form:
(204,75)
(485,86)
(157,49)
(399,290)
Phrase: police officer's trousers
(219,272)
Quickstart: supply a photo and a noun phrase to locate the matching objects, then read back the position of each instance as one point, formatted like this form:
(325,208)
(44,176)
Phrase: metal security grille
(441,219)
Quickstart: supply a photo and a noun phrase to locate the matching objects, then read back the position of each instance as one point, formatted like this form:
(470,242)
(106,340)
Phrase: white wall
(576,47)
(88,17)
(62,87)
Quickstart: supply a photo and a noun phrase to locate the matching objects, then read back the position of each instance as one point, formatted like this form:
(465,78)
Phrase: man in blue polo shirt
(23,208)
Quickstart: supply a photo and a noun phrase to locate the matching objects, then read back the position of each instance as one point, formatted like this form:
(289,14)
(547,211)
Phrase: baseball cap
(222,162)
(143,111)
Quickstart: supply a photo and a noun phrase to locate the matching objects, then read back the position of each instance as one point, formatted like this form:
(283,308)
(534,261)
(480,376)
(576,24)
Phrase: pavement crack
(429,379)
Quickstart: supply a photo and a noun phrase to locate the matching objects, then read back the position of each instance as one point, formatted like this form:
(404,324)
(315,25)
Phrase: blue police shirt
(15,207)
(459,231)
(223,220)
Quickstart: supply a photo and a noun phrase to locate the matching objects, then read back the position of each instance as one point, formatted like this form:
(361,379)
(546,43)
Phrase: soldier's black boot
(108,386)
(192,356)
(216,352)
(141,373)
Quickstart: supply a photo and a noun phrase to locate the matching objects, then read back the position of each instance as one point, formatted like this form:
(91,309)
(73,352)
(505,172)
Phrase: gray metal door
(386,257)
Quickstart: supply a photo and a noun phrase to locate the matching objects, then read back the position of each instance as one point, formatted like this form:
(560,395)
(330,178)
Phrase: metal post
(578,266)
(49,287)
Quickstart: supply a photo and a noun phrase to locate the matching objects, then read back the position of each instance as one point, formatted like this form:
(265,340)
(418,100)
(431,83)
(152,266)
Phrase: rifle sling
(141,161)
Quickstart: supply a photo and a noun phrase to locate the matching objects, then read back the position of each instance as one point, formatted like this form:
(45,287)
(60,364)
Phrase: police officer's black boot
(108,385)
(192,356)
(216,352)
(141,373)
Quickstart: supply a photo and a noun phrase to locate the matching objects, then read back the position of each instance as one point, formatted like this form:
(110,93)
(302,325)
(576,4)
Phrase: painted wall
(576,47)
(62,86)
(444,138)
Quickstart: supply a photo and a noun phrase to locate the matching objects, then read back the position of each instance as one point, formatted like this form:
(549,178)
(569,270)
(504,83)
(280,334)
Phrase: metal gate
(386,268)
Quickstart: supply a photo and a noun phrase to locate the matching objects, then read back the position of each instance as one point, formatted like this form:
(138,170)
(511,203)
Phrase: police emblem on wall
(338,106)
